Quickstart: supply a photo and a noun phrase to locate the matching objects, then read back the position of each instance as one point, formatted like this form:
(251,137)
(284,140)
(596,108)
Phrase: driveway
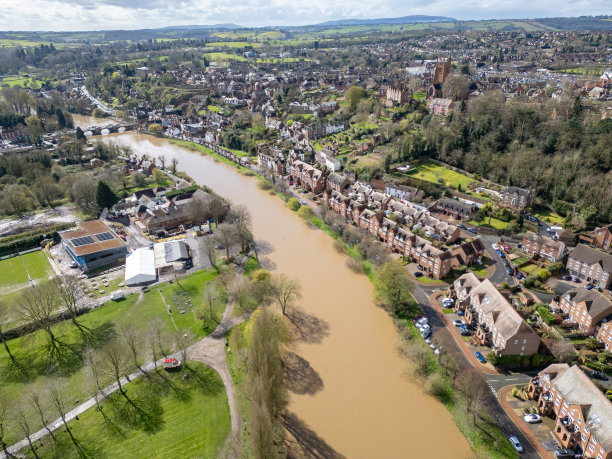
(491,402)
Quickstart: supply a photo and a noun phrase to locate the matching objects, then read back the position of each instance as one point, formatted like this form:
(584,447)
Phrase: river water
(84,121)
(357,395)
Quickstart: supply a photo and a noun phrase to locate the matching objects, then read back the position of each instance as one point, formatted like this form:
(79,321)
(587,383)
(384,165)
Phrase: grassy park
(430,171)
(35,362)
(14,271)
(171,417)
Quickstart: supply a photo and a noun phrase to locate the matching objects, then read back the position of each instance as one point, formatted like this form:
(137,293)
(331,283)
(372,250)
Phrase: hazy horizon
(90,15)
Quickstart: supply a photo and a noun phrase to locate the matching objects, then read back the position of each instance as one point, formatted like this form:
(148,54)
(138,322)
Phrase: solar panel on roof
(79,241)
(104,236)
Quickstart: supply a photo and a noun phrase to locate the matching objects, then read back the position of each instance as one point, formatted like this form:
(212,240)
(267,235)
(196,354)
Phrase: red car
(507,248)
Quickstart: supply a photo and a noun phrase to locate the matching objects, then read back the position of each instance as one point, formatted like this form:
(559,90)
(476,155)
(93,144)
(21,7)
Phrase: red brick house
(436,263)
(311,178)
(498,324)
(586,308)
(605,335)
(544,246)
(353,211)
(441,106)
(583,414)
(590,264)
(337,182)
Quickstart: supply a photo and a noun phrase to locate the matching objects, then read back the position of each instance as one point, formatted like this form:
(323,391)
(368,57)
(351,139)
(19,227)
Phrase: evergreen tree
(105,197)
(80,135)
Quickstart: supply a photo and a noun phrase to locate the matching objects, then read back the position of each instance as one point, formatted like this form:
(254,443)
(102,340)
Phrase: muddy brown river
(356,394)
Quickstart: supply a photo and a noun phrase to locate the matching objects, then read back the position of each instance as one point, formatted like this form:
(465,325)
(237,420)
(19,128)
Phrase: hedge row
(180,191)
(30,239)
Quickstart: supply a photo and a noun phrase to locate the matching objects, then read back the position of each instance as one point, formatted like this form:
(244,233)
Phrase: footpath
(210,350)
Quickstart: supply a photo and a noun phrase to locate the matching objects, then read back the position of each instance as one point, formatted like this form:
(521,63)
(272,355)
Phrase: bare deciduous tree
(4,321)
(563,350)
(239,215)
(4,409)
(217,209)
(55,393)
(208,244)
(284,290)
(114,362)
(37,306)
(36,402)
(226,235)
(129,337)
(471,384)
(68,290)
(24,424)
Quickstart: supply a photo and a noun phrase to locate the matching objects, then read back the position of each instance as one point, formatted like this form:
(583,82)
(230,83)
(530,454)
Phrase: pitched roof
(577,389)
(592,256)
(596,304)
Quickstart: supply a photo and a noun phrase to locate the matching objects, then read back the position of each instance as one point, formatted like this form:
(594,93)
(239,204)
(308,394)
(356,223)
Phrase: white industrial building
(140,267)
(144,264)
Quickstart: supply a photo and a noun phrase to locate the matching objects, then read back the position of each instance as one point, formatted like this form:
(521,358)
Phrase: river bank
(367,405)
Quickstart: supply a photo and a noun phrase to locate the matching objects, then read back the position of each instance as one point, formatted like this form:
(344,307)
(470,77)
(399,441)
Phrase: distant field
(141,60)
(279,60)
(592,71)
(234,44)
(223,57)
(14,271)
(24,82)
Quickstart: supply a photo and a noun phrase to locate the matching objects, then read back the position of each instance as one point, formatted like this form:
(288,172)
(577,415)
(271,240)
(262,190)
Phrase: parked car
(420,268)
(219,247)
(599,375)
(424,327)
(461,226)
(495,246)
(575,279)
(517,444)
(423,320)
(566,278)
(418,274)
(417,318)
(460,313)
(589,286)
(565,453)
(507,248)
(467,327)
(472,230)
(532,418)
(465,332)
(510,271)
(73,264)
(480,357)
(426,334)
(428,340)
(458,322)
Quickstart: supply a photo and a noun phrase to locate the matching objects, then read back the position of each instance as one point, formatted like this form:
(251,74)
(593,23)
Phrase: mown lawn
(550,217)
(434,172)
(177,418)
(14,271)
(196,147)
(36,362)
(495,223)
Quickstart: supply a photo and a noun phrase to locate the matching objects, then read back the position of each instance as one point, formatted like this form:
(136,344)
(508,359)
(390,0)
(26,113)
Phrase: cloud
(139,14)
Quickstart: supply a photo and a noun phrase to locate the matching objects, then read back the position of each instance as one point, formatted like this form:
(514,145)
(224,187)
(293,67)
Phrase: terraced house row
(582,413)
(367,213)
(498,324)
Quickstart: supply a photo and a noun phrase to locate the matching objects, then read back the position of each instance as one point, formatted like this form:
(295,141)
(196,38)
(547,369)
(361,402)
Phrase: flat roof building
(94,244)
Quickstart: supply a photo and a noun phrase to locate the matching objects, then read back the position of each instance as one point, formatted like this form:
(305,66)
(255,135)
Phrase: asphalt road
(495,382)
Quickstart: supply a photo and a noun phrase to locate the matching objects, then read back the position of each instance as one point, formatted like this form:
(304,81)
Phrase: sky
(63,15)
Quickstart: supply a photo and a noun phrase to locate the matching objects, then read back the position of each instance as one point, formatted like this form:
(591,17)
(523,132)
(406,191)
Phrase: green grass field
(179,418)
(24,82)
(234,44)
(220,57)
(430,171)
(495,223)
(14,271)
(550,217)
(35,363)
